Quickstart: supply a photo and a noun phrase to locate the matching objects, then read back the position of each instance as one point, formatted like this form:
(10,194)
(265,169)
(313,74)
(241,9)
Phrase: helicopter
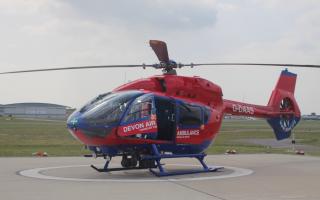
(170,116)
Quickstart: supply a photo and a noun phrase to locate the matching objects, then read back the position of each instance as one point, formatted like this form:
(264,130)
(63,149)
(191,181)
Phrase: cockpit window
(108,109)
(95,101)
(140,109)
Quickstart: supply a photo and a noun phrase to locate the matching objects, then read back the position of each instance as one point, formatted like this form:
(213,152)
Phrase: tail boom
(250,110)
(282,112)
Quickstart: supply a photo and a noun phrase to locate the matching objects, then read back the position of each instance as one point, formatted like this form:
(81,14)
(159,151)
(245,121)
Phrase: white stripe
(36,173)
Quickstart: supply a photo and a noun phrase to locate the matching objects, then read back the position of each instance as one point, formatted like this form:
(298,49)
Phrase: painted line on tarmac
(38,173)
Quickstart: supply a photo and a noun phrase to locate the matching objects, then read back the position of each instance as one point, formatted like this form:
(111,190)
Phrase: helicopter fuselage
(180,114)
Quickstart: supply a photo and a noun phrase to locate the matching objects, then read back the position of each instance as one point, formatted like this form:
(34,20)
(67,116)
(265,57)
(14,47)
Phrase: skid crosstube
(157,156)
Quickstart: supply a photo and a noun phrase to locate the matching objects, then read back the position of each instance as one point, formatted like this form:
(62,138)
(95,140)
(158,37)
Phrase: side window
(189,115)
(206,114)
(140,109)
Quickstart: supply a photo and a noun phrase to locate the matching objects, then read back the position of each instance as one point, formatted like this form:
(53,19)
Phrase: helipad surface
(259,176)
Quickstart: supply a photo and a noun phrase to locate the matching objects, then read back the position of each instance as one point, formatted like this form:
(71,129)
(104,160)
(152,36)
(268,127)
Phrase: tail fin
(282,101)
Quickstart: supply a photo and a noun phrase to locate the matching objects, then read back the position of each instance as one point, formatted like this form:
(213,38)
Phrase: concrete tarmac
(245,177)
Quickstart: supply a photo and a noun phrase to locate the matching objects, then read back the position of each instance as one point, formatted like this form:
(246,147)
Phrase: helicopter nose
(73,120)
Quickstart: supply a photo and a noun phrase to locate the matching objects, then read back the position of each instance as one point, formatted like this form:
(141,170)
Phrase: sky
(56,33)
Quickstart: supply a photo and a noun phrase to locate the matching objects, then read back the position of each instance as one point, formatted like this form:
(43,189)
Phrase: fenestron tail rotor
(168,66)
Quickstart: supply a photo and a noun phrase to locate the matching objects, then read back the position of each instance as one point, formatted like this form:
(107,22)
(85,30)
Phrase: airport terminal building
(1,110)
(34,110)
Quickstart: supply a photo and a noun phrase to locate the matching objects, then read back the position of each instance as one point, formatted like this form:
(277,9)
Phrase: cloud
(135,14)
(49,33)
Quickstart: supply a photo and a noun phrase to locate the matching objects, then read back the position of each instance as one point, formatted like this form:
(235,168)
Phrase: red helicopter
(170,116)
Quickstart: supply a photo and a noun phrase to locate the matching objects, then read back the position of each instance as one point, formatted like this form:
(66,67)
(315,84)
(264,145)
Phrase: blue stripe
(173,148)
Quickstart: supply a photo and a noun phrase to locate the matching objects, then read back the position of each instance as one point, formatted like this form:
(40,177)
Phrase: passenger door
(166,118)
(189,122)
(140,120)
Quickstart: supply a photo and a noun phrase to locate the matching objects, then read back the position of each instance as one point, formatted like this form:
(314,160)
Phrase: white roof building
(34,110)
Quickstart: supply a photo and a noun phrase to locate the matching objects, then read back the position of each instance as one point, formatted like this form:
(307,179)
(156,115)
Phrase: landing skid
(161,171)
(107,169)
(115,169)
(165,173)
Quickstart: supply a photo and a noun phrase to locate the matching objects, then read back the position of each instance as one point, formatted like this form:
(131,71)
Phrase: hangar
(1,110)
(34,110)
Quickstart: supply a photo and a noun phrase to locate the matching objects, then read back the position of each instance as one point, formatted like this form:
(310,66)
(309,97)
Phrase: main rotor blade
(160,49)
(254,64)
(155,66)
(73,68)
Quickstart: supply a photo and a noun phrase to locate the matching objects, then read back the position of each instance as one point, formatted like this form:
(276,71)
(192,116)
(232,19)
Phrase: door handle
(173,117)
